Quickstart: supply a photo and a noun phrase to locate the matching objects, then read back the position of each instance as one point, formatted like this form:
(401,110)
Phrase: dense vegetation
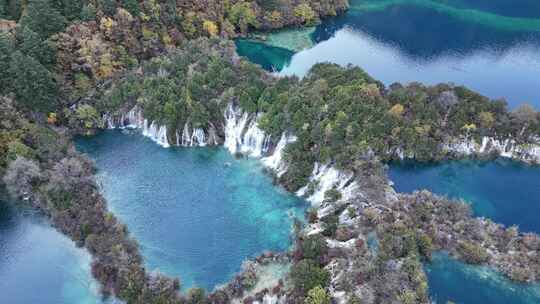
(191,85)
(63,65)
(40,166)
(340,115)
(52,53)
(80,43)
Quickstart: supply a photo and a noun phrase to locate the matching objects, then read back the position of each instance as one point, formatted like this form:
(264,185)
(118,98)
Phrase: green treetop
(43,18)
(32,83)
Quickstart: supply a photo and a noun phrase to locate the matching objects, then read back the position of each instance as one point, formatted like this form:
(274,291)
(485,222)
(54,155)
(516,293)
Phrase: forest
(340,115)
(67,63)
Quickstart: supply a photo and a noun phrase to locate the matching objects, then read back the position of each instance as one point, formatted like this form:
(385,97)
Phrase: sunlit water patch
(39,264)
(505,191)
(490,46)
(197,212)
(451,280)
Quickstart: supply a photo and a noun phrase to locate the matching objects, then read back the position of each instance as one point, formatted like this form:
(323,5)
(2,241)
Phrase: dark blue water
(505,191)
(490,46)
(451,280)
(197,212)
(40,265)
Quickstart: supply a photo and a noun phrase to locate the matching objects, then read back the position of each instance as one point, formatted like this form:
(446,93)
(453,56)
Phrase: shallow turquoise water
(269,57)
(451,280)
(197,212)
(505,191)
(490,46)
(40,265)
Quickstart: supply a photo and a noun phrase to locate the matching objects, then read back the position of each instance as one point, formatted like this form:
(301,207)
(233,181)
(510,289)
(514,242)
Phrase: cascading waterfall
(198,138)
(186,137)
(254,142)
(251,141)
(326,177)
(242,135)
(275,161)
(134,120)
(234,128)
(156,133)
(507,148)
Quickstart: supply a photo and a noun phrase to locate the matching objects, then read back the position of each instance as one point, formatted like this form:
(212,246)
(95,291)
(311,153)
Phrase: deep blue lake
(505,191)
(502,190)
(196,212)
(491,46)
(39,264)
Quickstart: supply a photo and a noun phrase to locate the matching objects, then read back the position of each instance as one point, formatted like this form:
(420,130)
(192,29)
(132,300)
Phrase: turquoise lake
(39,264)
(451,280)
(491,46)
(197,213)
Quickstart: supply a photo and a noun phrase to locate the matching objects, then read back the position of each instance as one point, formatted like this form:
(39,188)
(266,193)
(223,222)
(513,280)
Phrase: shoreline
(495,260)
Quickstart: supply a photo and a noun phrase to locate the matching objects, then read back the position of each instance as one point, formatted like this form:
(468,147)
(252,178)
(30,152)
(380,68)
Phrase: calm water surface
(451,280)
(505,191)
(40,265)
(492,46)
(197,212)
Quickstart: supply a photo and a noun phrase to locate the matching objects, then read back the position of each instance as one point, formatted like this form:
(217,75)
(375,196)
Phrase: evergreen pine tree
(10,9)
(132,6)
(108,7)
(32,83)
(88,13)
(3,9)
(30,44)
(71,9)
(42,18)
(6,48)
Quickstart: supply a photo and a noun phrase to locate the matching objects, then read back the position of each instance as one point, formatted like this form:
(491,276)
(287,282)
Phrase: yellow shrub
(397,110)
(210,27)
(52,118)
(305,12)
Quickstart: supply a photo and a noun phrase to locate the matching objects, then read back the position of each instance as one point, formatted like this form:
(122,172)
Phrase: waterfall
(186,137)
(254,141)
(251,141)
(272,299)
(134,120)
(109,120)
(212,135)
(275,161)
(326,177)
(156,133)
(197,138)
(234,128)
(507,148)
